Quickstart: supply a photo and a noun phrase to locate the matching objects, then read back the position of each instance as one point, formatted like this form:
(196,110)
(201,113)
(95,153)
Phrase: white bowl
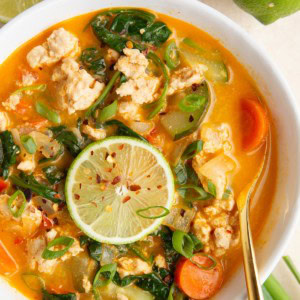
(285,210)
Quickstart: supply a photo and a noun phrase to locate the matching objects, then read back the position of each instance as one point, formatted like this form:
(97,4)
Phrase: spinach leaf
(29,182)
(153,284)
(170,253)
(8,152)
(95,250)
(124,130)
(93,61)
(123,281)
(53,174)
(67,138)
(48,296)
(94,247)
(113,40)
(156,34)
(128,24)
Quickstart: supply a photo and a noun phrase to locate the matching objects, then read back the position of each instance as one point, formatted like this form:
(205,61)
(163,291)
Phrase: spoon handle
(251,274)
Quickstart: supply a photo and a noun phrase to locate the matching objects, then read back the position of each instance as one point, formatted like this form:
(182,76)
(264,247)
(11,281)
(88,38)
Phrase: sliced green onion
(108,112)
(200,193)
(226,194)
(197,243)
(172,289)
(212,188)
(192,149)
(181,173)
(109,268)
(159,104)
(139,253)
(47,113)
(275,289)
(103,96)
(292,267)
(193,44)
(60,241)
(96,294)
(192,103)
(38,87)
(53,158)
(33,281)
(212,266)
(172,55)
(183,243)
(17,212)
(140,211)
(28,143)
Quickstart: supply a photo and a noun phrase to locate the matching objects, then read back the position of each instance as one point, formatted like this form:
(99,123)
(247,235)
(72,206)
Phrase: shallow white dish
(286,117)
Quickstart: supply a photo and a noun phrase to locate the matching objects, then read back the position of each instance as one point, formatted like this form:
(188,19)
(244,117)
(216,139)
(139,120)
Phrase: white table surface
(282,41)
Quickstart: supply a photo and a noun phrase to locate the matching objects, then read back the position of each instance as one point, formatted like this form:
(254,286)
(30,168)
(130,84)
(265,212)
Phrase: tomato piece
(195,282)
(255,124)
(3,185)
(8,265)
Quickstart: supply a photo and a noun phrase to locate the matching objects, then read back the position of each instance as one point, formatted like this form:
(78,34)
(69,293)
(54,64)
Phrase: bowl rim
(291,224)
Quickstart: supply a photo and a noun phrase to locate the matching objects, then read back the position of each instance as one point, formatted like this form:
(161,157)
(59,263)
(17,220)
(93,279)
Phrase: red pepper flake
(126,199)
(134,187)
(55,221)
(148,176)
(116,180)
(113,155)
(80,185)
(148,189)
(98,178)
(106,155)
(109,170)
(57,196)
(159,187)
(77,197)
(92,152)
(195,86)
(191,118)
(94,203)
(182,212)
(46,223)
(229,231)
(85,122)
(121,147)
(104,181)
(137,192)
(18,241)
(114,165)
(102,198)
(61,205)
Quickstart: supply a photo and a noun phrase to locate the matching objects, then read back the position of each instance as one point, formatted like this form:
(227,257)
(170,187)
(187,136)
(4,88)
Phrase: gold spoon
(250,267)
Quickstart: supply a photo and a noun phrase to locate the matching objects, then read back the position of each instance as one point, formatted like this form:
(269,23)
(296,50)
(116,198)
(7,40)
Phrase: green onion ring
(111,268)
(139,211)
(17,212)
(28,143)
(47,113)
(214,262)
(183,243)
(172,55)
(192,102)
(63,240)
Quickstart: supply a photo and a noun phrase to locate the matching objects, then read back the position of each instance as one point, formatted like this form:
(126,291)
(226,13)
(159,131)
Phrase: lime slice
(268,11)
(11,8)
(111,183)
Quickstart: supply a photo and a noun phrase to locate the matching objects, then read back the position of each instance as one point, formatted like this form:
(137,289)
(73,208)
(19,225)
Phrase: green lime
(268,11)
(11,8)
(119,189)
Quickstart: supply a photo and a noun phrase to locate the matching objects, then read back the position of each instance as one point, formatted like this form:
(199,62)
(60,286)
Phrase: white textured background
(282,41)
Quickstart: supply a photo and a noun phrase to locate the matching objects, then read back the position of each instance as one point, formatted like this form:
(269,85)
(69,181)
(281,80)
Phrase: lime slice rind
(147,167)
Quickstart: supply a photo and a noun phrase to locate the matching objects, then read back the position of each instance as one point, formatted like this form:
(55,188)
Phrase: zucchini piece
(216,68)
(179,123)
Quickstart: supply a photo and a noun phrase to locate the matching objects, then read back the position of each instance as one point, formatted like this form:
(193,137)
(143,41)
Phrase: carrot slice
(255,124)
(8,265)
(195,282)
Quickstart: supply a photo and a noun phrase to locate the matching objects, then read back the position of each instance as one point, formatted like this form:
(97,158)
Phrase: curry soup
(202,97)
